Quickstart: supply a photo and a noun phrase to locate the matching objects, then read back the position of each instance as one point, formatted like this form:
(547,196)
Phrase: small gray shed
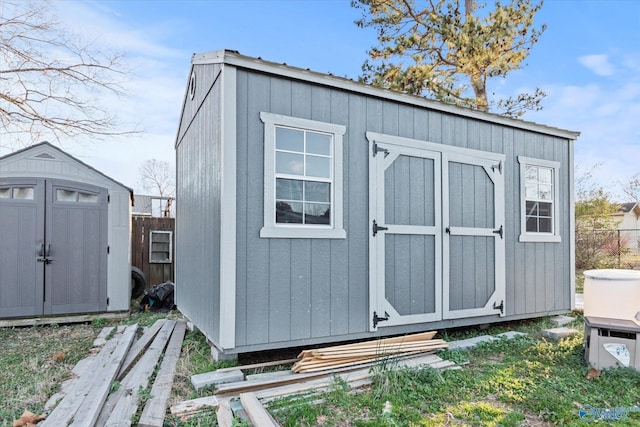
(314,209)
(64,236)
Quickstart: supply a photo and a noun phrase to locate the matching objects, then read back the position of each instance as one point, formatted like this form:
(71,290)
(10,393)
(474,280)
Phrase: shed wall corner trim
(228,211)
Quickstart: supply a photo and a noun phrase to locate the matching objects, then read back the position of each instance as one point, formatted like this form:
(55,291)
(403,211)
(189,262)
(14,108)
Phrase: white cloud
(598,64)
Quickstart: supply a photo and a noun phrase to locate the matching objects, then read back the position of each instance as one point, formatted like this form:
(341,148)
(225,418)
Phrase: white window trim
(272,230)
(539,237)
(170,251)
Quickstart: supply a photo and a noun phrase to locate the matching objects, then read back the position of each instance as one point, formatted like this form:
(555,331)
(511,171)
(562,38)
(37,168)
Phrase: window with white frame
(539,200)
(302,178)
(160,247)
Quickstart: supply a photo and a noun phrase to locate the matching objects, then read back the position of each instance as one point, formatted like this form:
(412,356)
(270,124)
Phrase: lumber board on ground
(139,346)
(422,336)
(224,415)
(259,365)
(378,349)
(128,394)
(258,415)
(61,320)
(195,405)
(89,391)
(156,407)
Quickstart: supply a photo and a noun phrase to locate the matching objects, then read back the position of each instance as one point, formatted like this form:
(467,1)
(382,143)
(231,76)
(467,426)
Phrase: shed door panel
(436,247)
(21,238)
(474,242)
(406,266)
(76,239)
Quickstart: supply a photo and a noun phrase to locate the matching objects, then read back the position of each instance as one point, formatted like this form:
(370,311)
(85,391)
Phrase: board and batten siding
(198,207)
(313,290)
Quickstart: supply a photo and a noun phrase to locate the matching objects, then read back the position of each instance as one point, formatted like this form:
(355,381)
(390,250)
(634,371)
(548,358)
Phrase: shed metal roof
(234,58)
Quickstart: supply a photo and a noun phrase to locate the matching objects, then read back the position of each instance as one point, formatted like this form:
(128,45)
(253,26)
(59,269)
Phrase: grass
(526,381)
(521,382)
(29,372)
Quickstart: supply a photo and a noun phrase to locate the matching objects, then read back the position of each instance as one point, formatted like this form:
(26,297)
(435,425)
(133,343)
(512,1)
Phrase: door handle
(48,252)
(41,250)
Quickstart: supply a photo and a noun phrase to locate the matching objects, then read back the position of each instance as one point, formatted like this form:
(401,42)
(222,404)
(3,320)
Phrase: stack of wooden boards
(316,371)
(368,351)
(91,399)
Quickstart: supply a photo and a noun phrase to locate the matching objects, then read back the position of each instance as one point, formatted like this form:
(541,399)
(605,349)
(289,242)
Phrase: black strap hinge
(375,148)
(375,228)
(499,307)
(377,319)
(499,231)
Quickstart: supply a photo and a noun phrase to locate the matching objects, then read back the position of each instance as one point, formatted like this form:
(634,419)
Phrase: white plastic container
(613,294)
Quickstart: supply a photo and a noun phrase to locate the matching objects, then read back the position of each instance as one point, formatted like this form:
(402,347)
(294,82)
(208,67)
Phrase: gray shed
(315,209)
(64,236)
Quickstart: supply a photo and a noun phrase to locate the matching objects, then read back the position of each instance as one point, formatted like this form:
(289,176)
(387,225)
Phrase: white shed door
(436,241)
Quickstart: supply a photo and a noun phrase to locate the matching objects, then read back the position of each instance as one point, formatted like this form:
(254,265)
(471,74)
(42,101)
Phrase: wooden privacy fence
(152,248)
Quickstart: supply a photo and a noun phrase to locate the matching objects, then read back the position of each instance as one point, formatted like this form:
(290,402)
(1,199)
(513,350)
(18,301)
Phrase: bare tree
(50,81)
(158,177)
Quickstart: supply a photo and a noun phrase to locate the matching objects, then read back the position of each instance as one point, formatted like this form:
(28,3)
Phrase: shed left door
(53,247)
(21,240)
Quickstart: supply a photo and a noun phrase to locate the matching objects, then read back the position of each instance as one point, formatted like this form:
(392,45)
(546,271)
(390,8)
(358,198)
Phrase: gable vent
(45,156)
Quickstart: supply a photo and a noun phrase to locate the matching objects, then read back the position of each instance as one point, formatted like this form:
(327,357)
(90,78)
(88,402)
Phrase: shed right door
(473,243)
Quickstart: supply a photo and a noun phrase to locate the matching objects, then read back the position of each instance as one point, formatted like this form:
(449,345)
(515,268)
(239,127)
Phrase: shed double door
(437,232)
(53,247)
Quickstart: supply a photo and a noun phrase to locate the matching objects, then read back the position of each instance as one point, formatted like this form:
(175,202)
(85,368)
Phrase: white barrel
(614,294)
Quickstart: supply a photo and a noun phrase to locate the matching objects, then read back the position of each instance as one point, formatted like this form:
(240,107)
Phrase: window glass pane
(531,173)
(289,139)
(316,213)
(532,208)
(531,190)
(544,191)
(318,166)
(532,224)
(66,195)
(23,193)
(87,198)
(544,176)
(317,191)
(288,189)
(318,143)
(544,209)
(5,193)
(544,225)
(288,212)
(289,163)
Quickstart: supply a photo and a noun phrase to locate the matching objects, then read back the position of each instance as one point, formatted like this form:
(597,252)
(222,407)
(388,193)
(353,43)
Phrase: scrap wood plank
(356,378)
(156,407)
(193,406)
(139,346)
(88,393)
(378,349)
(259,365)
(124,403)
(245,386)
(224,415)
(316,365)
(258,415)
(422,336)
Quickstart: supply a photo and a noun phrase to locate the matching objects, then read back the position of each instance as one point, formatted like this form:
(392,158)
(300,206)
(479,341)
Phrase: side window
(160,247)
(539,207)
(302,178)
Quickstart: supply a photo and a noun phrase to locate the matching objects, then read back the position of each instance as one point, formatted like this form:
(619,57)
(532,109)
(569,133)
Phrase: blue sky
(588,62)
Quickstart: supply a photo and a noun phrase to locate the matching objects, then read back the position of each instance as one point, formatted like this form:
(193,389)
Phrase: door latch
(375,228)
